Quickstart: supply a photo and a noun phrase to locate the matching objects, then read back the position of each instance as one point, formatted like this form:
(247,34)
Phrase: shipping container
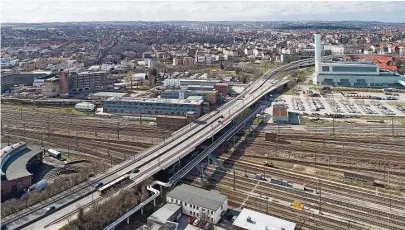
(298,185)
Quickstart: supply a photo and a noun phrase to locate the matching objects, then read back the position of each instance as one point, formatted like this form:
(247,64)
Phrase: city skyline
(23,11)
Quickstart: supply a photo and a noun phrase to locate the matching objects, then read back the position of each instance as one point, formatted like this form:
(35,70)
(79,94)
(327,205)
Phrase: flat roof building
(252,220)
(16,162)
(198,202)
(153,106)
(352,74)
(169,212)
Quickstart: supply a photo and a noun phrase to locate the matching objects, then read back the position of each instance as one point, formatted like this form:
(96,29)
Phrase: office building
(90,81)
(198,202)
(252,220)
(154,106)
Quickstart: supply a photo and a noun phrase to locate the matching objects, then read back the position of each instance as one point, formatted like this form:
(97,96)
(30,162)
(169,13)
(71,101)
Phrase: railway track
(342,209)
(327,186)
(257,201)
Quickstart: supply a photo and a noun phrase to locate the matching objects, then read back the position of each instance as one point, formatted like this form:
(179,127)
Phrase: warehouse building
(198,202)
(153,106)
(252,220)
(17,161)
(210,96)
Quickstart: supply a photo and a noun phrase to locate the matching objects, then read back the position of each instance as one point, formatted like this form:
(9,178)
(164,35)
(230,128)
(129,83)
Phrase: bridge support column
(128,220)
(142,211)
(161,190)
(154,203)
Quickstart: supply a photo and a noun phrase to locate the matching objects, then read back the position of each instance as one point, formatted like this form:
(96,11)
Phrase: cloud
(87,10)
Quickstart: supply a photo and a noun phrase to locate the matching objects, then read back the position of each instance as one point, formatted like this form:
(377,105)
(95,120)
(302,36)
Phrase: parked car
(196,222)
(98,185)
(191,220)
(50,209)
(135,170)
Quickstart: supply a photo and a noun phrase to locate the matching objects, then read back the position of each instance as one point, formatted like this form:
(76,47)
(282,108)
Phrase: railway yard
(345,181)
(108,140)
(351,179)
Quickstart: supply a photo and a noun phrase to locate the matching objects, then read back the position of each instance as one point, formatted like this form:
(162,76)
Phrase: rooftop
(211,200)
(252,220)
(108,94)
(14,166)
(164,213)
(157,100)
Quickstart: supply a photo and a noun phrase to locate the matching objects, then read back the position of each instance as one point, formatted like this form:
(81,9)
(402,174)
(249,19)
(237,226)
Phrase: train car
(55,153)
(101,191)
(275,181)
(298,185)
(359,178)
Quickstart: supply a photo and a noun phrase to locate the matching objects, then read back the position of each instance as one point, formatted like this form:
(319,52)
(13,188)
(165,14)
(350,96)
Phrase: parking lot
(338,104)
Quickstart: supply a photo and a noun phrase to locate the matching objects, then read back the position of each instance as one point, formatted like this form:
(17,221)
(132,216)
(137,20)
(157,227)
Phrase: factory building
(252,220)
(154,106)
(198,202)
(353,74)
(17,161)
(51,87)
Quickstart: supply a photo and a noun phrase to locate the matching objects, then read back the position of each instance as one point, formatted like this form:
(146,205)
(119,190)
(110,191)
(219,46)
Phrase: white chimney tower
(318,51)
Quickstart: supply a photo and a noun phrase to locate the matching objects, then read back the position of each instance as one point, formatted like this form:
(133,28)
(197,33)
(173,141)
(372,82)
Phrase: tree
(222,66)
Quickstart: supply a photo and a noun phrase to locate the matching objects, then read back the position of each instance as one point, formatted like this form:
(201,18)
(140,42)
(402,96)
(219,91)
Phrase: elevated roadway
(157,157)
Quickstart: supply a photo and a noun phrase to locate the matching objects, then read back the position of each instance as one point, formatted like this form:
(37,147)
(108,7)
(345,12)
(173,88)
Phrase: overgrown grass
(45,109)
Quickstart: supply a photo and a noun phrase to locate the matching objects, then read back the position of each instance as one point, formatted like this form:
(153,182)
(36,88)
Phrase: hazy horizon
(35,11)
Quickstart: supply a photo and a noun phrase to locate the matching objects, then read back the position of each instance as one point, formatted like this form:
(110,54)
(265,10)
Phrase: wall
(14,186)
(190,210)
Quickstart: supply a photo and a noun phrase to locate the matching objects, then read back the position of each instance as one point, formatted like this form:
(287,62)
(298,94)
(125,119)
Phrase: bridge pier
(161,190)
(142,211)
(154,201)
(128,220)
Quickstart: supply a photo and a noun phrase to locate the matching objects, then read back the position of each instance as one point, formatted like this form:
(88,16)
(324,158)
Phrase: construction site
(320,178)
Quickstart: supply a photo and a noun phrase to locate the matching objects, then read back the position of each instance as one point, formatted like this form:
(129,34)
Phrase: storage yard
(350,180)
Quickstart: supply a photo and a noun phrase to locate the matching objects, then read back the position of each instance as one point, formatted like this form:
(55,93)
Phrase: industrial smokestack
(317,51)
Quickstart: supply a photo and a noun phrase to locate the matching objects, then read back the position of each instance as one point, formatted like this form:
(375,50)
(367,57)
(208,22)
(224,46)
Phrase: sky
(31,11)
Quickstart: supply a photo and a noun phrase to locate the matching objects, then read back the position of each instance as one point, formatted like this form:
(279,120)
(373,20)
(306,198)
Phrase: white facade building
(198,202)
(357,75)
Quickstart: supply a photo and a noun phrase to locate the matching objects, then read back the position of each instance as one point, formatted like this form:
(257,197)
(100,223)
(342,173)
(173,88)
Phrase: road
(161,156)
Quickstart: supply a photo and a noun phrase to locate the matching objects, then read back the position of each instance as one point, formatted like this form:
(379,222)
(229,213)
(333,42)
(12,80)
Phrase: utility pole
(118,130)
(108,149)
